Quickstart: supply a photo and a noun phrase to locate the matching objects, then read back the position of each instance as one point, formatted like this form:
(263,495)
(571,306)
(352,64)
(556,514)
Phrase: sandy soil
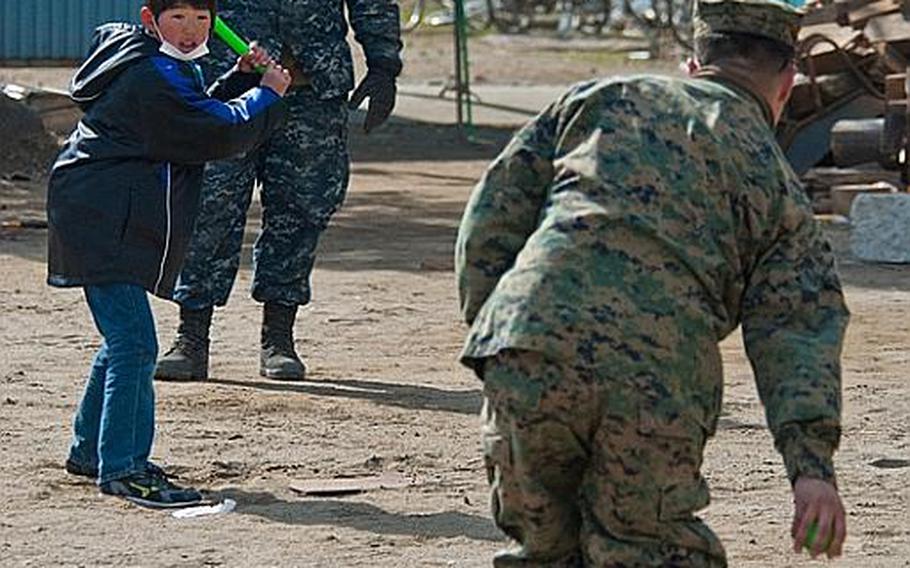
(385,395)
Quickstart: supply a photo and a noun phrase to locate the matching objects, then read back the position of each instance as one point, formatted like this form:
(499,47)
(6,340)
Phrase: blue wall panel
(56,29)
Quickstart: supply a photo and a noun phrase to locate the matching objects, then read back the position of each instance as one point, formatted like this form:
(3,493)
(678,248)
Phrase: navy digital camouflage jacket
(315,33)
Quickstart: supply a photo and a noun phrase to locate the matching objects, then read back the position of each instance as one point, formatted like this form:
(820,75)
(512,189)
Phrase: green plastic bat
(233,40)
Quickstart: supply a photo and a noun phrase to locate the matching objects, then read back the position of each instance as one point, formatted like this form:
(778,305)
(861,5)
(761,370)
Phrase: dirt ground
(385,395)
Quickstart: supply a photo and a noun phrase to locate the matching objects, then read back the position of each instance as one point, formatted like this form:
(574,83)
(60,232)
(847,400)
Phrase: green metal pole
(463,71)
(459,90)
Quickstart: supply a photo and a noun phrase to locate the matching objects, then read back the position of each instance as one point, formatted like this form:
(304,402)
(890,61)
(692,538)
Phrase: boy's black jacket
(124,192)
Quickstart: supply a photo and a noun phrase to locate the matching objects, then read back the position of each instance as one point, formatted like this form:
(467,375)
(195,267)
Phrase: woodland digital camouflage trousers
(587,471)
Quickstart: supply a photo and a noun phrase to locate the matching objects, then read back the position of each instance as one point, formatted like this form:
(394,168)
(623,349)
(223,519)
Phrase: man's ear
(692,65)
(147,17)
(788,78)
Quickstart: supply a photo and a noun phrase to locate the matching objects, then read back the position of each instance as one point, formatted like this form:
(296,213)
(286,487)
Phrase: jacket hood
(114,47)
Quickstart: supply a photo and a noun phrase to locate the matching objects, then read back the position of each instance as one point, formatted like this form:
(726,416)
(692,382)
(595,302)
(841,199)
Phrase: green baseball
(812,534)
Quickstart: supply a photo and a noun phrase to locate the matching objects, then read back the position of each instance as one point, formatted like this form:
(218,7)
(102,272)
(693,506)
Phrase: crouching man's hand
(818,501)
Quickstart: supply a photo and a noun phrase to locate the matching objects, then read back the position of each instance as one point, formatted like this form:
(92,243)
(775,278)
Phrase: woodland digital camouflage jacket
(633,225)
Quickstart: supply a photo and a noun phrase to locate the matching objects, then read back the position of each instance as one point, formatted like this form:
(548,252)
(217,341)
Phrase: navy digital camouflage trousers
(586,471)
(304,171)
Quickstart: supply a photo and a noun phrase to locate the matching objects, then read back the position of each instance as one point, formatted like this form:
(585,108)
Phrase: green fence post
(465,109)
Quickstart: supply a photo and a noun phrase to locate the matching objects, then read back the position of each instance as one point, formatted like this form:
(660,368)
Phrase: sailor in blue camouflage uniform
(303,171)
(620,236)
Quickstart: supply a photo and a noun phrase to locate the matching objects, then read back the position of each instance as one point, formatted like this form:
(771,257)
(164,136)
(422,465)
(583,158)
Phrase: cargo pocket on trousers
(497,454)
(678,445)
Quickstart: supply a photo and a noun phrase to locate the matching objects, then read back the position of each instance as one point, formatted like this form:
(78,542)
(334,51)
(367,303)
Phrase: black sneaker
(154,491)
(74,468)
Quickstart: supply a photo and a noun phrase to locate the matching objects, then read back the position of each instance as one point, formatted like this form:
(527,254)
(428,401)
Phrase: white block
(881,227)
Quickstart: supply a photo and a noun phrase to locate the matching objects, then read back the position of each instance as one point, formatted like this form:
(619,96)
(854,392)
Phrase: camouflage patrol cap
(773,19)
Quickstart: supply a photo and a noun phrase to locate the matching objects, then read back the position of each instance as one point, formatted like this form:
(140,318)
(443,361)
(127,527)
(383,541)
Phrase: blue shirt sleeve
(183,124)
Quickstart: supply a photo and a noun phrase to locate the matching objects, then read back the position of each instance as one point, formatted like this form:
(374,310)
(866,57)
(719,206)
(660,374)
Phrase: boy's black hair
(765,55)
(158,6)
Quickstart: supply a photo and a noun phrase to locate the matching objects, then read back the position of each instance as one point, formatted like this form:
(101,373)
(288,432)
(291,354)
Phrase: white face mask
(172,50)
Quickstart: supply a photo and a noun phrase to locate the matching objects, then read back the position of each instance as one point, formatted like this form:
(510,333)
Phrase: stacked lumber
(846,127)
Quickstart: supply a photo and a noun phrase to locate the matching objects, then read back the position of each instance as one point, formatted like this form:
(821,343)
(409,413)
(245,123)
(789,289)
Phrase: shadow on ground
(409,396)
(408,224)
(406,140)
(361,516)
(395,229)
(856,273)
(876,276)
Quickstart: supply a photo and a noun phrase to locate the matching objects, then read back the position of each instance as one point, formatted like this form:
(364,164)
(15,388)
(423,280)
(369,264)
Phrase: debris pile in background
(27,149)
(845,130)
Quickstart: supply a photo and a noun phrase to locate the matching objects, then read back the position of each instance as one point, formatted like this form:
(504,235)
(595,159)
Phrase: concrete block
(881,227)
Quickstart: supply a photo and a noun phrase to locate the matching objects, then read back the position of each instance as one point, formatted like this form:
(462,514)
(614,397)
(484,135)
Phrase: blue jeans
(115,423)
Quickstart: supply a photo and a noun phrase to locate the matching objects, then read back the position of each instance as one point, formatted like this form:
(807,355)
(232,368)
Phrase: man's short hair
(764,55)
(159,6)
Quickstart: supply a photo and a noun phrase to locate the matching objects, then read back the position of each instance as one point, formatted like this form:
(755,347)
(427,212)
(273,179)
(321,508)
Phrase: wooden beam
(822,178)
(842,196)
(888,28)
(859,17)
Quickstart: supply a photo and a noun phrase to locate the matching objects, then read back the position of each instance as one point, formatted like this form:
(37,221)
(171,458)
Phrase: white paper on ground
(225,506)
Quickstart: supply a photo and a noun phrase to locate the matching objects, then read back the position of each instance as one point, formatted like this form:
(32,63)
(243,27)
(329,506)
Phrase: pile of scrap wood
(845,130)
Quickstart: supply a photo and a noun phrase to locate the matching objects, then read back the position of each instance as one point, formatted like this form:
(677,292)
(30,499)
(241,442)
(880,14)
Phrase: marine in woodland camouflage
(621,235)
(772,19)
(552,432)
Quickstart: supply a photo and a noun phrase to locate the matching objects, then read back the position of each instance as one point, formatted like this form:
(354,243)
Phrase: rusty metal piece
(856,141)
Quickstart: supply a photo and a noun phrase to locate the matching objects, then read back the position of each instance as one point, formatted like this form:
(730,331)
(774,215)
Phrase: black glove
(381,88)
